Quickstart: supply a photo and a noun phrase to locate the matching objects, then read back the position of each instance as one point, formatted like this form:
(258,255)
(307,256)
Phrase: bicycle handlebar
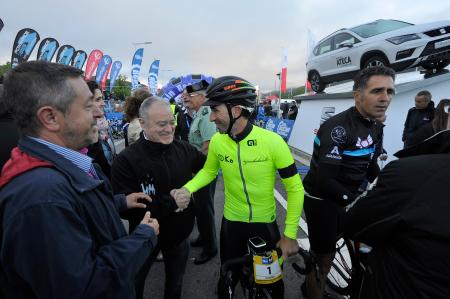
(307,260)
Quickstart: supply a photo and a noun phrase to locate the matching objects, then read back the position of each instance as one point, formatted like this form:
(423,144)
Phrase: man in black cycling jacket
(344,157)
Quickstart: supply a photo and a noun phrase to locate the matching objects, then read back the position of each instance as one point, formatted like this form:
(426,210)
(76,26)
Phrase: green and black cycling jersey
(345,154)
(249,164)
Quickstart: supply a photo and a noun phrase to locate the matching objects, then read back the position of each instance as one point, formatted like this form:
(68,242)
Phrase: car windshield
(378,27)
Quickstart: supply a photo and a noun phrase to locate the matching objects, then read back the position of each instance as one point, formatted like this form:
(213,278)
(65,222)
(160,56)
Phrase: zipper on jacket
(243,182)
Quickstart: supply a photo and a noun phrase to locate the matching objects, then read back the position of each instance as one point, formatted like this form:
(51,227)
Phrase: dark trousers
(204,212)
(175,260)
(233,243)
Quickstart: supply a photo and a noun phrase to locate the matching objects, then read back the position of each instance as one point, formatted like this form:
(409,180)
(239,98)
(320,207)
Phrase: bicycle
(347,268)
(260,271)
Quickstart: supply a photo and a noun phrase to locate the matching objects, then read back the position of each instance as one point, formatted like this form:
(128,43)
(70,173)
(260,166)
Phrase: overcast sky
(231,37)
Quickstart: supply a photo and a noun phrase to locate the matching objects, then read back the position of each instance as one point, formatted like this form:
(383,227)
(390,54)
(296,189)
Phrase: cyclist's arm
(374,218)
(293,185)
(373,170)
(207,174)
(329,159)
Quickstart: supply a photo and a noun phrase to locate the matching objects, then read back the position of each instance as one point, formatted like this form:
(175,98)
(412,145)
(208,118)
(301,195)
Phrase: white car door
(324,60)
(345,56)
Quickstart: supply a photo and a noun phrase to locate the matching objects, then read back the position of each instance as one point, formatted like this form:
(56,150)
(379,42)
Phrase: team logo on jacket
(338,134)
(225,158)
(364,143)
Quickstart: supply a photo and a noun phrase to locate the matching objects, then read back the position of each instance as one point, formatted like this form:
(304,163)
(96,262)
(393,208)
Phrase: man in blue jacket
(61,235)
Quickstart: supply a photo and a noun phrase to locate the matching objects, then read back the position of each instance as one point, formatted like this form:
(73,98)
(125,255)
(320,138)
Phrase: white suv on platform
(393,43)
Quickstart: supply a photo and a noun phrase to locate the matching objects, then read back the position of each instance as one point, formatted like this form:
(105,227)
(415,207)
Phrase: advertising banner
(78,59)
(24,43)
(105,77)
(47,49)
(284,71)
(102,68)
(282,127)
(92,63)
(176,85)
(65,54)
(153,77)
(115,70)
(136,68)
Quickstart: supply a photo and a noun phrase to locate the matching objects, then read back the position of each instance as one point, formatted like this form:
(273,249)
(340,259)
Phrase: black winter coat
(415,119)
(405,219)
(156,169)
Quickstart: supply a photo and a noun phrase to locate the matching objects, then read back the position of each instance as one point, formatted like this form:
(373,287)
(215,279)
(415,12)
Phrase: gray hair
(148,103)
(35,84)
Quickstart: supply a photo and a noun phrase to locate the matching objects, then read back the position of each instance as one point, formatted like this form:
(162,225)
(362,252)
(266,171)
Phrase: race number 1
(266,269)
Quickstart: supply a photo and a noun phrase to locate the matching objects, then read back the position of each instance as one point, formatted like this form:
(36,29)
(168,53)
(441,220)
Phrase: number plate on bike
(266,269)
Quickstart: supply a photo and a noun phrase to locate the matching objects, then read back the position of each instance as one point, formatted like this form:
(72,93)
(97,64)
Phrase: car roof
(348,29)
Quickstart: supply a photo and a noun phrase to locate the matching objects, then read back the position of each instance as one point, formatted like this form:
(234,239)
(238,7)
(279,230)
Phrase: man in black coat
(156,164)
(420,115)
(405,221)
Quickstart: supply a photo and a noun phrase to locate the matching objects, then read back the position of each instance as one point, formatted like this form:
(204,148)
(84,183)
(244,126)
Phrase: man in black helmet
(249,157)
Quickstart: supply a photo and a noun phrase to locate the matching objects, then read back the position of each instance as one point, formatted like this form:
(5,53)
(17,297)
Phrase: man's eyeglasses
(191,95)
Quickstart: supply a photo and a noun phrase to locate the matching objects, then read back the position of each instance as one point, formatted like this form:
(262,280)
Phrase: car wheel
(436,65)
(317,83)
(375,61)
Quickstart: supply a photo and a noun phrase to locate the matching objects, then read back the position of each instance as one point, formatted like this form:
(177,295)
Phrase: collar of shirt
(84,162)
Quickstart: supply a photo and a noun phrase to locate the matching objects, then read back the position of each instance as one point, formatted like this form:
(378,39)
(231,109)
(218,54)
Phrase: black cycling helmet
(231,90)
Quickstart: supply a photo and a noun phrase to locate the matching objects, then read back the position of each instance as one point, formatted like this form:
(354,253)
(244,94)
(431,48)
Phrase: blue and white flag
(136,68)
(115,70)
(79,58)
(153,77)
(65,54)
(47,49)
(102,68)
(24,43)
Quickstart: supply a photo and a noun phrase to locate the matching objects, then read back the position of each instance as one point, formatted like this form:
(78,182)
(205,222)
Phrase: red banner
(284,72)
(92,63)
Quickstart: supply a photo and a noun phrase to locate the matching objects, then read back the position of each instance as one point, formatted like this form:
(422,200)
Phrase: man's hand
(383,157)
(151,222)
(132,200)
(182,197)
(288,246)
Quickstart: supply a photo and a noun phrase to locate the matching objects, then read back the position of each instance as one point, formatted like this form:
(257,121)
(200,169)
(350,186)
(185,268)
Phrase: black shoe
(197,242)
(204,257)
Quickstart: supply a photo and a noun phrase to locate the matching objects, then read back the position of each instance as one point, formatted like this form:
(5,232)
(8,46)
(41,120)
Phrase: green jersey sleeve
(291,180)
(208,173)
